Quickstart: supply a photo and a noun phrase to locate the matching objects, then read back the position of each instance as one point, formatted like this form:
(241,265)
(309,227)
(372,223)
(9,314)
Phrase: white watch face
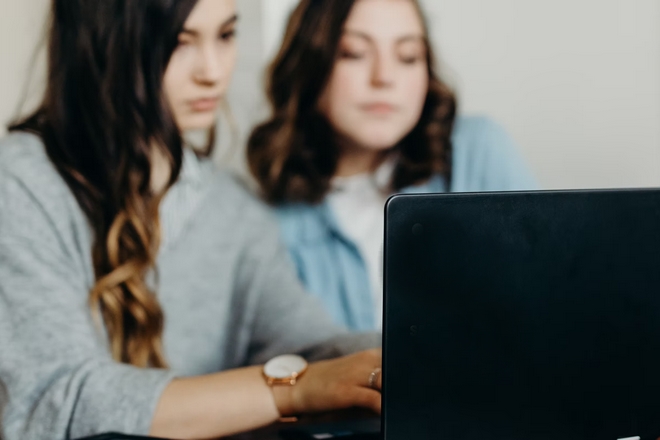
(284,367)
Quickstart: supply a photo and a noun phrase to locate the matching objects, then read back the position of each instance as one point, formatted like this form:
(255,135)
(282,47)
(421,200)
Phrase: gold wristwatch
(284,370)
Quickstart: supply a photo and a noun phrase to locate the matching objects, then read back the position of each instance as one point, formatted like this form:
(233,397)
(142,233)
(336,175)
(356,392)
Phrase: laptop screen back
(522,316)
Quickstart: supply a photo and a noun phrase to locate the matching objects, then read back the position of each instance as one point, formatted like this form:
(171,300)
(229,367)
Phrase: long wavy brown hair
(102,116)
(293,155)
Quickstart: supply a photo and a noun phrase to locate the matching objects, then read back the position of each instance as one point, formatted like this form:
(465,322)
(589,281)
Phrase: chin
(379,135)
(202,121)
(379,141)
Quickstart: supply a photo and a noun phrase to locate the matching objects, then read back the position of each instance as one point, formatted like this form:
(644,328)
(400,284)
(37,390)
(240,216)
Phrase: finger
(370,378)
(368,398)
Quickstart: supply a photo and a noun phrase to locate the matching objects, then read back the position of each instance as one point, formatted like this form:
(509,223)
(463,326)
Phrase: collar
(306,223)
(191,167)
(380,178)
(183,198)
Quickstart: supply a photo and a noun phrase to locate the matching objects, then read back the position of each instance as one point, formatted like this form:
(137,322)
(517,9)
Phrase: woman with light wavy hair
(137,284)
(359,113)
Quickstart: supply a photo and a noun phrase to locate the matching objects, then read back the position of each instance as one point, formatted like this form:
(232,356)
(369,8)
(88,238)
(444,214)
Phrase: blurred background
(576,82)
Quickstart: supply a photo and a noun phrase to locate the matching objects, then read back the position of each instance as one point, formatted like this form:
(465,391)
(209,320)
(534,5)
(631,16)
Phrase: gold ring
(373,378)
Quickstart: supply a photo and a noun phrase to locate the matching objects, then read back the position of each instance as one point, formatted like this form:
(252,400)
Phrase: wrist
(282,374)
(284,399)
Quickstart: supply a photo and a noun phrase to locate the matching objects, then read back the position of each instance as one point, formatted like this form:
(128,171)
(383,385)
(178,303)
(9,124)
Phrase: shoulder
(24,154)
(36,205)
(479,135)
(486,158)
(305,223)
(26,171)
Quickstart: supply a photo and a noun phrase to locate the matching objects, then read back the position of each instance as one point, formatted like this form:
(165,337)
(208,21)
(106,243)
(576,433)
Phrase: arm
(57,378)
(213,405)
(285,319)
(226,403)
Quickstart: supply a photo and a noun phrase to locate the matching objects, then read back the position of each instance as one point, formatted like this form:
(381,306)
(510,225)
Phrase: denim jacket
(330,265)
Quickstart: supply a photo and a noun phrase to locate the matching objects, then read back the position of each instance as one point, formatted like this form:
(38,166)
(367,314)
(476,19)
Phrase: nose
(383,71)
(209,69)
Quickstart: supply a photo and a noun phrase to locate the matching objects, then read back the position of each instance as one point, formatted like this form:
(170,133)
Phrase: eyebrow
(231,20)
(399,40)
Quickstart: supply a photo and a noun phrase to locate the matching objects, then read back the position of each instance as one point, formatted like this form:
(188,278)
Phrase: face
(379,83)
(201,66)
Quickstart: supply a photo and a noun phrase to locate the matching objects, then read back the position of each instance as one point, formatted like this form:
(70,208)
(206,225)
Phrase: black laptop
(522,316)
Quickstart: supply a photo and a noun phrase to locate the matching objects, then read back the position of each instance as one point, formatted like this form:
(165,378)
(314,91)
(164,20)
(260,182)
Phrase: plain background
(576,82)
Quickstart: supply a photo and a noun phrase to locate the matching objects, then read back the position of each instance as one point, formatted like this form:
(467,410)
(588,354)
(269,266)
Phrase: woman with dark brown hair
(138,285)
(359,113)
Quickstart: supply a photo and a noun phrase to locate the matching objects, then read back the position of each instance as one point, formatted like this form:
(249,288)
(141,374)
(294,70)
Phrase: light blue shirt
(330,265)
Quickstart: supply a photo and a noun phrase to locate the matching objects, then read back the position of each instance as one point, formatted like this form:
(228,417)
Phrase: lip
(204,104)
(379,108)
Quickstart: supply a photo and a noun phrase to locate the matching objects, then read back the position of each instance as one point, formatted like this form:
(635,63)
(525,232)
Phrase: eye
(184,40)
(352,48)
(410,59)
(351,55)
(411,52)
(228,35)
(412,55)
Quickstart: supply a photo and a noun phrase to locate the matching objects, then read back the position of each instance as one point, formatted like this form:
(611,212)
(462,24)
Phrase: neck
(160,170)
(355,159)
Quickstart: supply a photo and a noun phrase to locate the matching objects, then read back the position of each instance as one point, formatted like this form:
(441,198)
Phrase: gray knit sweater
(227,288)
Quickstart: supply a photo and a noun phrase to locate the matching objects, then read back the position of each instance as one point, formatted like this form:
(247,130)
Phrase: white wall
(276,13)
(576,82)
(21,28)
